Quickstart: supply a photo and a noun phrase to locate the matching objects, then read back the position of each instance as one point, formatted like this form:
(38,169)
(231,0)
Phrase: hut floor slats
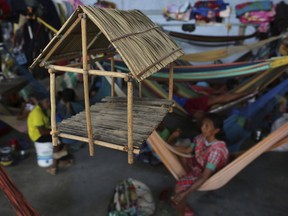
(139,101)
(123,106)
(119,117)
(141,124)
(106,134)
(109,120)
(81,126)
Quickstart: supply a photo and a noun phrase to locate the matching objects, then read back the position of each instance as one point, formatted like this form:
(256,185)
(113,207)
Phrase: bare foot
(51,170)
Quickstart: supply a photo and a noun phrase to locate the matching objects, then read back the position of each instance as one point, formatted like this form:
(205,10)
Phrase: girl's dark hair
(218,123)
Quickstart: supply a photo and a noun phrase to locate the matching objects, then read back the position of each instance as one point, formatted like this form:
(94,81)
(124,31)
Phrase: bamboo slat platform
(109,120)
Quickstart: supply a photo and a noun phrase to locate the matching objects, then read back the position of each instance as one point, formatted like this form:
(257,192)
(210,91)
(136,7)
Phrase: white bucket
(44,153)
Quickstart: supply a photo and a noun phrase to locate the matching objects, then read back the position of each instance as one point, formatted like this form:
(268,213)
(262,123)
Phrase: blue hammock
(239,126)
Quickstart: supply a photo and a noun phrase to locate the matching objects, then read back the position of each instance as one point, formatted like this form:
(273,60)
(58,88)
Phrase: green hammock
(225,73)
(178,77)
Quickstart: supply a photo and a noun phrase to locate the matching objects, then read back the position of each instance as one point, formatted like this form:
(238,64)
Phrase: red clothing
(197,104)
(214,156)
(5,9)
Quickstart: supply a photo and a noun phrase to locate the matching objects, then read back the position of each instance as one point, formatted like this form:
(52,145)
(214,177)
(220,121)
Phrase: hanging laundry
(177,12)
(75,3)
(259,14)
(201,11)
(105,4)
(243,8)
(210,10)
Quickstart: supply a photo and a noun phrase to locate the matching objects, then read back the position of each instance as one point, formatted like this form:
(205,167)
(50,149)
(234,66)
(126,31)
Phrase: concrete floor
(87,187)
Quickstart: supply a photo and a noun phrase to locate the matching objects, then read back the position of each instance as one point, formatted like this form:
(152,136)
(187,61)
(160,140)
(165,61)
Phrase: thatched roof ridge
(144,47)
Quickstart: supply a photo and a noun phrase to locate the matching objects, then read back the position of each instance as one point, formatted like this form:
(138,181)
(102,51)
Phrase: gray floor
(86,188)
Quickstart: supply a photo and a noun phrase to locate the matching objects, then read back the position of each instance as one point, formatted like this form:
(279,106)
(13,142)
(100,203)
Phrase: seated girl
(209,154)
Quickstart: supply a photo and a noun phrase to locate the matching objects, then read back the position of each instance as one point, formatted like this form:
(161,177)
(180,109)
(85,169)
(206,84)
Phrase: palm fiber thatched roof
(143,46)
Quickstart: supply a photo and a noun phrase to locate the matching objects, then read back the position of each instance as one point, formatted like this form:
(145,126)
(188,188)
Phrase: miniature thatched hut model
(92,34)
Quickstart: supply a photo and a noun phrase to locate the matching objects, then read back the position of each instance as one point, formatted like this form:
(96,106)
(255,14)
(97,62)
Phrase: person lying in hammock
(209,155)
(197,107)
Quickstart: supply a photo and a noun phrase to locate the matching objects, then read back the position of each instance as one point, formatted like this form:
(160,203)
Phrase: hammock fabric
(210,39)
(234,124)
(9,86)
(185,76)
(252,116)
(183,90)
(12,121)
(212,67)
(261,79)
(253,109)
(194,73)
(213,55)
(20,204)
(119,64)
(159,92)
(222,177)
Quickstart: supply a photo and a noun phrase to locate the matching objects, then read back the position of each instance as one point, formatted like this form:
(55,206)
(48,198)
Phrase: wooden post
(53,107)
(140,89)
(113,79)
(98,142)
(86,84)
(242,29)
(91,72)
(171,73)
(130,119)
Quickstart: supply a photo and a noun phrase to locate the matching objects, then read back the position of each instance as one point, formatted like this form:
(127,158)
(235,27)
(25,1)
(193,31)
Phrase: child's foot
(51,170)
(65,163)
(59,154)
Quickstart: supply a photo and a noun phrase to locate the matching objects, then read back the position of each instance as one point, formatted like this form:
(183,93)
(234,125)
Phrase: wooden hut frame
(104,32)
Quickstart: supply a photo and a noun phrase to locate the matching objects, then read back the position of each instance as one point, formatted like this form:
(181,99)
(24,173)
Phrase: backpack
(131,198)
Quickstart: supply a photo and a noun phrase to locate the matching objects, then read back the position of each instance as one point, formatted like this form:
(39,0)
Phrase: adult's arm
(44,131)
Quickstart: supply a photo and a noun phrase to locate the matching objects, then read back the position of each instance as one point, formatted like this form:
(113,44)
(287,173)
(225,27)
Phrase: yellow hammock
(213,55)
(219,179)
